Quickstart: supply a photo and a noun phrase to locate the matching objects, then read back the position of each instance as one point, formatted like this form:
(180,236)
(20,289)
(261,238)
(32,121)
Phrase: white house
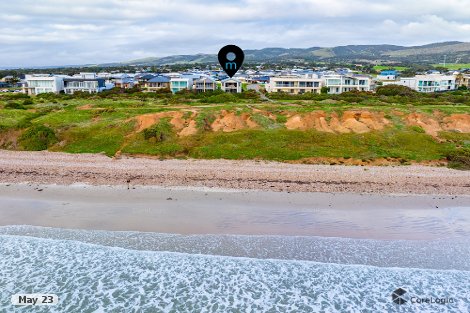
(180,83)
(43,83)
(427,83)
(294,84)
(231,85)
(338,83)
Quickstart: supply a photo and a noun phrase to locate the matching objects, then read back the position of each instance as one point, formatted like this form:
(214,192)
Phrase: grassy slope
(108,127)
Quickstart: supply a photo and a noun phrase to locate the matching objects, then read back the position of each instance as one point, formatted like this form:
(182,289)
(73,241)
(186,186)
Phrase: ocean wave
(94,278)
(426,254)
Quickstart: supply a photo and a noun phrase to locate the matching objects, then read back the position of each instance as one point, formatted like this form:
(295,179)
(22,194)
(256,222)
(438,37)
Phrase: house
(231,85)
(156,83)
(339,83)
(462,79)
(387,75)
(90,85)
(122,81)
(8,79)
(294,84)
(142,78)
(204,84)
(434,82)
(180,83)
(43,83)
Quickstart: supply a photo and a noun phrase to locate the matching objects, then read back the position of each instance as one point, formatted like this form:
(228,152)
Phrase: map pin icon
(231,59)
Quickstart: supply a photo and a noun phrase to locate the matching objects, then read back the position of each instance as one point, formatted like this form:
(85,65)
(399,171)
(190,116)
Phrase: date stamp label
(34,299)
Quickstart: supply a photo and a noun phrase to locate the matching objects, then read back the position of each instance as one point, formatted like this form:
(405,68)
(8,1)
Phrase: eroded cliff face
(352,121)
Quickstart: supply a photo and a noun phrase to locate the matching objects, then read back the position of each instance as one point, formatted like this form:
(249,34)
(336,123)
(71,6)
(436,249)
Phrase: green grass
(453,66)
(95,138)
(387,67)
(284,145)
(107,126)
(15,118)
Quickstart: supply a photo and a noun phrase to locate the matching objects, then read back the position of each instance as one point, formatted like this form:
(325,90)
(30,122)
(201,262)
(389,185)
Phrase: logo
(230,66)
(231,59)
(397,296)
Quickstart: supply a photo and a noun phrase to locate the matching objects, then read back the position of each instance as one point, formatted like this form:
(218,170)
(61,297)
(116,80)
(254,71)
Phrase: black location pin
(231,59)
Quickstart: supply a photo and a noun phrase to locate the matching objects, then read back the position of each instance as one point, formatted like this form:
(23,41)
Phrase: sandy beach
(95,169)
(250,212)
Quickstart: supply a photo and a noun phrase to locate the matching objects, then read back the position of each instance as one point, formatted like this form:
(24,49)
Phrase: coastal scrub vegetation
(397,125)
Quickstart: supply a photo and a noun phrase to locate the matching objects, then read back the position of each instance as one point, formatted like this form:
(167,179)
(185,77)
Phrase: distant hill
(455,51)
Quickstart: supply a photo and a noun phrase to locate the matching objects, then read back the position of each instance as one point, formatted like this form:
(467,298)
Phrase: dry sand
(62,168)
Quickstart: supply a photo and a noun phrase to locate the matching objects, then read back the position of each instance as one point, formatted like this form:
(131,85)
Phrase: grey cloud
(55,32)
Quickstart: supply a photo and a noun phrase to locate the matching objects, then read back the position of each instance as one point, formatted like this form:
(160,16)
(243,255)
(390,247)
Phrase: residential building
(156,83)
(204,84)
(121,81)
(142,78)
(231,85)
(339,83)
(462,79)
(434,82)
(90,85)
(43,83)
(294,84)
(180,83)
(387,75)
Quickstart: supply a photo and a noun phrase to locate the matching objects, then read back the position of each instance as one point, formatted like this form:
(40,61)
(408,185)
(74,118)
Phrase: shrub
(221,98)
(14,106)
(28,102)
(281,118)
(395,90)
(13,96)
(38,137)
(459,159)
(204,121)
(160,131)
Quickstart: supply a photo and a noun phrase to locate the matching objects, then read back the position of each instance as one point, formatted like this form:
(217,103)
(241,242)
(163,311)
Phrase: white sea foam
(94,278)
(430,254)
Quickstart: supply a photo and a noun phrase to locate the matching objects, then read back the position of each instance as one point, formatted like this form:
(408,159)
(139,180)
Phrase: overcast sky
(59,32)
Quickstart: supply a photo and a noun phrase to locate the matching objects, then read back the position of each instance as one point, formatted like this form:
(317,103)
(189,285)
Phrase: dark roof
(159,79)
(146,77)
(79,79)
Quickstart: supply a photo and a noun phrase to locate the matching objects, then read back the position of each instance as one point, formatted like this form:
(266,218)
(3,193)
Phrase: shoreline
(224,212)
(96,169)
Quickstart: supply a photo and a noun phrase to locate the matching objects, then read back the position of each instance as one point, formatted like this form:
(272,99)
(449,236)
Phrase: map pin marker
(231,59)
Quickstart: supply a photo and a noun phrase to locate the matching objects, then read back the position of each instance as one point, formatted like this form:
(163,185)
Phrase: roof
(81,79)
(231,79)
(159,79)
(146,77)
(388,72)
(205,79)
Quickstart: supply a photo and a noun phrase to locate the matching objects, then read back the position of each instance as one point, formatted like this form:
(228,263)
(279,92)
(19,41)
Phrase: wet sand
(241,212)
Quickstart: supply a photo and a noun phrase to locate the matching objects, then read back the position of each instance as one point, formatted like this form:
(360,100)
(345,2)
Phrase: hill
(455,51)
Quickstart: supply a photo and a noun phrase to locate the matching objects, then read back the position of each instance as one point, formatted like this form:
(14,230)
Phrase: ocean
(103,271)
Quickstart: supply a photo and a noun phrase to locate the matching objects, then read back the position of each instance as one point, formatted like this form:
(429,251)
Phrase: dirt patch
(457,122)
(9,139)
(146,120)
(229,122)
(430,125)
(85,107)
(190,129)
(350,121)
